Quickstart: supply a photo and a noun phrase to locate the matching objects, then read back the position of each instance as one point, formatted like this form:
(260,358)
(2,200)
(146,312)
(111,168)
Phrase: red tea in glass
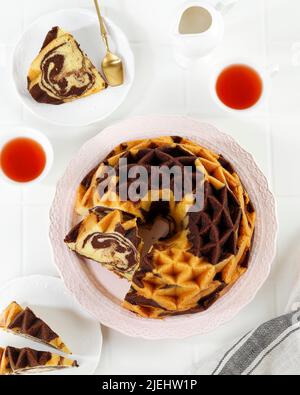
(239,87)
(22,159)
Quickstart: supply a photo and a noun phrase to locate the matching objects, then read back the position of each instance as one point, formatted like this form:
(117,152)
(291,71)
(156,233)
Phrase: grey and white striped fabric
(274,347)
(271,349)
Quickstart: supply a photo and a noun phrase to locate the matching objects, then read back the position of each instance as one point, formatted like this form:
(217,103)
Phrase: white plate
(84,25)
(49,299)
(100,291)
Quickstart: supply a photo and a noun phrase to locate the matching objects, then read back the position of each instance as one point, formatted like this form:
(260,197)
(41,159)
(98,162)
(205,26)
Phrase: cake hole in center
(152,233)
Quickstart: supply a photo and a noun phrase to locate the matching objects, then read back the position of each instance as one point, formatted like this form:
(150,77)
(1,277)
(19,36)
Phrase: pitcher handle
(224,6)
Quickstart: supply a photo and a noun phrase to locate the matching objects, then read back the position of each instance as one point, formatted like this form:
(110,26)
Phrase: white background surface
(265,31)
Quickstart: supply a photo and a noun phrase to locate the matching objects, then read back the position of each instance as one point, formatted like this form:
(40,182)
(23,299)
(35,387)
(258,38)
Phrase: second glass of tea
(239,86)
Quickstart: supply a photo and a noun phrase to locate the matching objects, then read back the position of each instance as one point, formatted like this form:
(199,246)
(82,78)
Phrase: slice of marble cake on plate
(16,361)
(23,322)
(62,72)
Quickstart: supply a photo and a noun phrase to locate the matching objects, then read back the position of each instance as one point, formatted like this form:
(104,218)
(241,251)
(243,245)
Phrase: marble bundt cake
(15,361)
(62,72)
(23,322)
(178,258)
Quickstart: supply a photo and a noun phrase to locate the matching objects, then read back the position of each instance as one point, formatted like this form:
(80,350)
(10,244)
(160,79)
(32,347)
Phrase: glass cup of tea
(240,85)
(26,156)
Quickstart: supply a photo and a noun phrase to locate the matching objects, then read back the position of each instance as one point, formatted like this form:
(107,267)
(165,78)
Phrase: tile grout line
(270,135)
(22,213)
(270,116)
(186,101)
(22,224)
(23,29)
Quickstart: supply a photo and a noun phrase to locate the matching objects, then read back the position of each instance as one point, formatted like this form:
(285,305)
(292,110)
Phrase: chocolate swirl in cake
(116,250)
(62,72)
(109,237)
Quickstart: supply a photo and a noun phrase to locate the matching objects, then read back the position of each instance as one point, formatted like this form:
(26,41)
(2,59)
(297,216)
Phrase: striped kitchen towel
(274,347)
(271,349)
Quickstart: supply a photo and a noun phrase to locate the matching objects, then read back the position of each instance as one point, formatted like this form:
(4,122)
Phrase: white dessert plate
(101,292)
(84,25)
(50,300)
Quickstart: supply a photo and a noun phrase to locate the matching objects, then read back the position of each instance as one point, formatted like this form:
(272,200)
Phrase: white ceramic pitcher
(198,29)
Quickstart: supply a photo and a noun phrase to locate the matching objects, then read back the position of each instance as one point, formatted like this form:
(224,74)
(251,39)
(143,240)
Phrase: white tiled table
(264,30)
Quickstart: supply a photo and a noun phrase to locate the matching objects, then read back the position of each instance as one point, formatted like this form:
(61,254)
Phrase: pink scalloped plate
(100,292)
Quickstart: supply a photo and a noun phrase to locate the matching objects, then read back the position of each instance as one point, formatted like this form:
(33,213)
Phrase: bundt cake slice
(61,72)
(23,322)
(109,237)
(15,361)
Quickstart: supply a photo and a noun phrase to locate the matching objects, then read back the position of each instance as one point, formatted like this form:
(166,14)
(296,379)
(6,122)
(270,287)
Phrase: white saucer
(84,25)
(49,299)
